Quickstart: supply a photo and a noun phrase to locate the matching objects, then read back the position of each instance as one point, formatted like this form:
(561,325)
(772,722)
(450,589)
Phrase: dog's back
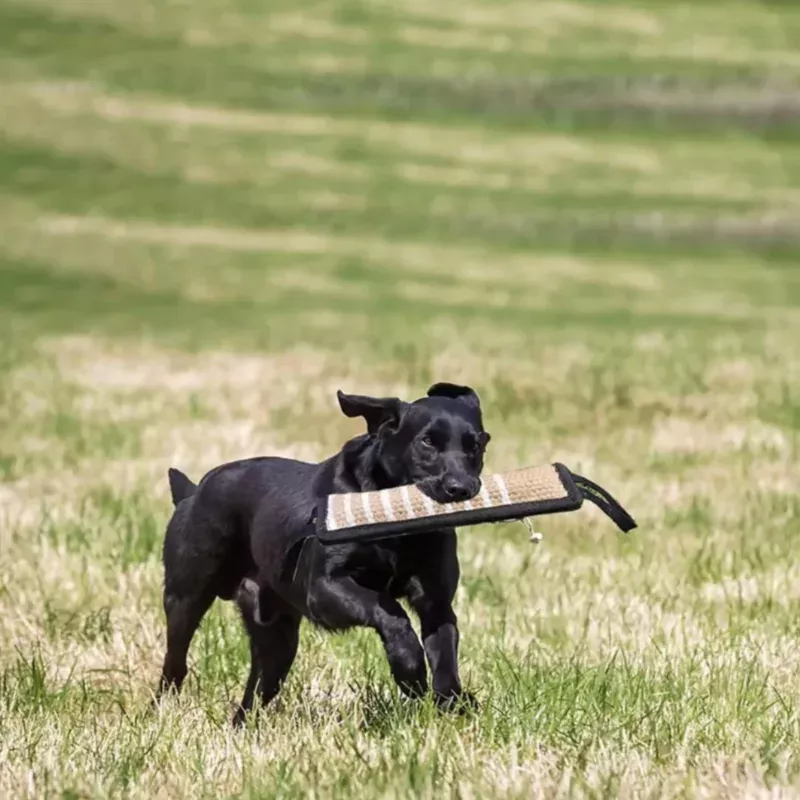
(240,514)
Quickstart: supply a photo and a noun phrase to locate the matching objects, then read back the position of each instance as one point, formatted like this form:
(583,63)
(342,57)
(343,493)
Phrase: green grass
(214,214)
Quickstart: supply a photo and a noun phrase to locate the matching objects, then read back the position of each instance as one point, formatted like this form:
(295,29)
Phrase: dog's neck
(358,467)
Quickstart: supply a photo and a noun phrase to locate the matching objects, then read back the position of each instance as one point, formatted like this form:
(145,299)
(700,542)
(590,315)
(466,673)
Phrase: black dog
(243,533)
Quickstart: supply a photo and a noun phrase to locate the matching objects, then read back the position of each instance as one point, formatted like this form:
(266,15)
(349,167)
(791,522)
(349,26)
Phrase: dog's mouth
(442,491)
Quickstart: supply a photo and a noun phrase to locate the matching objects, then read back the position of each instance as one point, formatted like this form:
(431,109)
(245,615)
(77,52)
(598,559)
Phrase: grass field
(213,214)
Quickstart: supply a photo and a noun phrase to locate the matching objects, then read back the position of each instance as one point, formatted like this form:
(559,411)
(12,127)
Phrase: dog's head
(436,442)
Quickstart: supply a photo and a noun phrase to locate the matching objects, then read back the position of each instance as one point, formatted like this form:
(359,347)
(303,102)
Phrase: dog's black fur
(231,536)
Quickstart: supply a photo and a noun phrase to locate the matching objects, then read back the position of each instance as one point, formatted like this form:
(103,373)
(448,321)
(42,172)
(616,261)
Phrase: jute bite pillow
(513,495)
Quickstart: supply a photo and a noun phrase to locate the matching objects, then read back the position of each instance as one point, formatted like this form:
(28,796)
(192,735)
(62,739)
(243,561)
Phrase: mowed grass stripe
(652,21)
(208,144)
(50,45)
(373,261)
(37,299)
(333,310)
(88,183)
(413,31)
(198,263)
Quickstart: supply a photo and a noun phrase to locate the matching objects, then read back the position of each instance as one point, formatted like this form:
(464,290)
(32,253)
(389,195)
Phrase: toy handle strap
(605,502)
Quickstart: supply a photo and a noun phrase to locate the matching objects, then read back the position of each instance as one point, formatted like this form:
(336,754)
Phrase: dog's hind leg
(249,690)
(276,646)
(196,556)
(273,647)
(247,599)
(184,614)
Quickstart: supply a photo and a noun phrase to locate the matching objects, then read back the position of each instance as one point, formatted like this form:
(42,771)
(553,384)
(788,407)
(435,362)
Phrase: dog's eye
(474,446)
(428,442)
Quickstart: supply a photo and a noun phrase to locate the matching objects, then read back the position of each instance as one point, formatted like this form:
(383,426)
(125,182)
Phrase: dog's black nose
(457,490)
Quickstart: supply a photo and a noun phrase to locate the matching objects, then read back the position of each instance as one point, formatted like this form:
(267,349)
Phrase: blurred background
(215,213)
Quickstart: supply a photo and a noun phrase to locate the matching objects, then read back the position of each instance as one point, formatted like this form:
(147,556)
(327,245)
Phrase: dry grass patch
(585,641)
(676,435)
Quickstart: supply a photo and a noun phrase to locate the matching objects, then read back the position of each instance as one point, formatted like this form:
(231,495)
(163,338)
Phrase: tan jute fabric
(408,502)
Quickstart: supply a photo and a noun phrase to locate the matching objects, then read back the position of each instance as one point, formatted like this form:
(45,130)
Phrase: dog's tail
(180,486)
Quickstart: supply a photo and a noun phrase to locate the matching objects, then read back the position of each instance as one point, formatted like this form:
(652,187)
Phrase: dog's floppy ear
(377,411)
(456,392)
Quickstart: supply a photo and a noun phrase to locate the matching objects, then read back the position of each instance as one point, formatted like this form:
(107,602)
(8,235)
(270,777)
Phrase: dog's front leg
(340,603)
(440,637)
(431,597)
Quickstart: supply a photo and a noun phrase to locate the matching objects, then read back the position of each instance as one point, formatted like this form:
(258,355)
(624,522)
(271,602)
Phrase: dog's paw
(239,718)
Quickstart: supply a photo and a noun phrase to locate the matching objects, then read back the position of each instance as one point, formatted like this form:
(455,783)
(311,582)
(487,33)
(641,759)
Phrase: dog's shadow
(381,711)
(376,710)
